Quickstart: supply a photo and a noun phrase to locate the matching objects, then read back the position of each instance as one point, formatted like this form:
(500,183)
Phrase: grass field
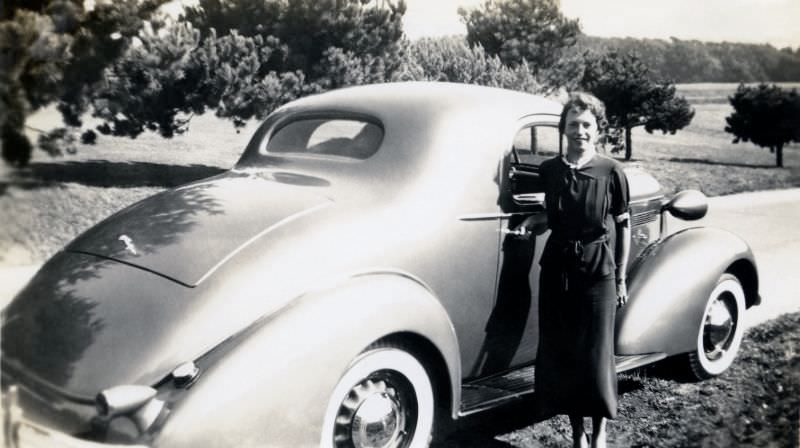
(50,202)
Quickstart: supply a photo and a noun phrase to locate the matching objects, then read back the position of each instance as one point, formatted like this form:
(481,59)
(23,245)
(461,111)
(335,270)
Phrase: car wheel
(721,329)
(384,399)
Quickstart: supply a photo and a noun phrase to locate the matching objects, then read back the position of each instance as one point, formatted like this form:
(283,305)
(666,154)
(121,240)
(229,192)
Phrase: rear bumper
(21,433)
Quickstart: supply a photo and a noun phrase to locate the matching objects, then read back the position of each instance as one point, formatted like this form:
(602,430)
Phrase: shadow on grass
(103,173)
(712,162)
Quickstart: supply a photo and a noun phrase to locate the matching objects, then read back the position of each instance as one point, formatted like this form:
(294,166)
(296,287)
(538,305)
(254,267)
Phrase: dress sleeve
(620,195)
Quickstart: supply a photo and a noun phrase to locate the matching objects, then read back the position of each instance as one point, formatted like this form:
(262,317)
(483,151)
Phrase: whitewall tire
(384,399)
(720,334)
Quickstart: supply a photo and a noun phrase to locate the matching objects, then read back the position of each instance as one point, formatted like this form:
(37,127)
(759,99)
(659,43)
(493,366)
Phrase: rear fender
(272,387)
(669,286)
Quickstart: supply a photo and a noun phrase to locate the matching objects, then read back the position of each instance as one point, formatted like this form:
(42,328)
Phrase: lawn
(50,202)
(703,156)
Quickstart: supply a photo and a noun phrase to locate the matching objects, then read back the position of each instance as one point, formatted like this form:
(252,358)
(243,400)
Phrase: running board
(491,392)
(496,390)
(630,362)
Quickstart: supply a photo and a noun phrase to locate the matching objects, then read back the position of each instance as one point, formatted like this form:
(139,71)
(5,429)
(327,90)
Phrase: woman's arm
(621,254)
(620,208)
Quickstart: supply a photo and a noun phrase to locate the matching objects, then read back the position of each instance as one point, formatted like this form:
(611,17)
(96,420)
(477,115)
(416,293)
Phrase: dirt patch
(755,403)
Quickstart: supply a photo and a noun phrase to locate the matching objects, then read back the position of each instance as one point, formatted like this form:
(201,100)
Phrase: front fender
(272,388)
(669,287)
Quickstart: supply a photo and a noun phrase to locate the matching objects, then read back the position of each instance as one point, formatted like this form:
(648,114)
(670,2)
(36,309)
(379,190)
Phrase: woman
(582,276)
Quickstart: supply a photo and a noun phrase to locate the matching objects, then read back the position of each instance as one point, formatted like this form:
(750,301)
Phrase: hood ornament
(128,244)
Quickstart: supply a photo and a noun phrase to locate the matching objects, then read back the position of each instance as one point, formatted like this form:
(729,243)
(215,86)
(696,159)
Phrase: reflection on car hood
(186,233)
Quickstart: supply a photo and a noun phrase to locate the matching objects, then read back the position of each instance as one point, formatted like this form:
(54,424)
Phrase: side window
(534,144)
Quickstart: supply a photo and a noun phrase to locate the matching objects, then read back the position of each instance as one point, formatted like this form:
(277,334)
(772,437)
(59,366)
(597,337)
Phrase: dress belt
(578,243)
(572,249)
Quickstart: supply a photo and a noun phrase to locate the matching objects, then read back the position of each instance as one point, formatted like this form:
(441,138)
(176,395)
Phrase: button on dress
(575,369)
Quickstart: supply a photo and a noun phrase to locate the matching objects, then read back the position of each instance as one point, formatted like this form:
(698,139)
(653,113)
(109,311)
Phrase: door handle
(519,232)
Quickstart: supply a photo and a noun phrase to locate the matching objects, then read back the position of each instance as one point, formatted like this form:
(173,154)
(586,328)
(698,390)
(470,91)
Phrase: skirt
(575,368)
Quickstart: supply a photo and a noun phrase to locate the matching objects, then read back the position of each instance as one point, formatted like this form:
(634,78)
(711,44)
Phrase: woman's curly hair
(581,101)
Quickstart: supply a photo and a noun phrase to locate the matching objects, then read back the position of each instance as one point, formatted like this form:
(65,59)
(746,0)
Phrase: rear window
(351,138)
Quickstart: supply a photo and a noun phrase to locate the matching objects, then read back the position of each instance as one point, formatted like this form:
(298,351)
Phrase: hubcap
(719,327)
(372,416)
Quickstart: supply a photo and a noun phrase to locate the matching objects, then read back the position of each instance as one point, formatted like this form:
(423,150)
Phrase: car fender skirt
(669,285)
(280,377)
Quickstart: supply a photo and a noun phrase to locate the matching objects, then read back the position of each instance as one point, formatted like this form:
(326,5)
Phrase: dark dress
(575,371)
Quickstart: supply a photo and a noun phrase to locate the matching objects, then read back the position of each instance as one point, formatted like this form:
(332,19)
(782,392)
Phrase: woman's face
(580,128)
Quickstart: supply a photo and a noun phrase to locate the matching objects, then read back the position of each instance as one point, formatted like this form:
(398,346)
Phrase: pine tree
(171,76)
(244,58)
(312,31)
(633,97)
(521,30)
(55,51)
(765,115)
(451,59)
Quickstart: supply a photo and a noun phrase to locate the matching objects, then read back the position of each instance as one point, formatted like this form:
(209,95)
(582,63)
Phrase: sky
(776,22)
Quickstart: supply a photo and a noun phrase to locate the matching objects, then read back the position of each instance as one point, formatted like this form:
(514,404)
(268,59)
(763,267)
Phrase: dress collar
(580,164)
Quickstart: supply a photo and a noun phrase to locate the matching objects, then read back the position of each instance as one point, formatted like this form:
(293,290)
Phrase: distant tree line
(685,61)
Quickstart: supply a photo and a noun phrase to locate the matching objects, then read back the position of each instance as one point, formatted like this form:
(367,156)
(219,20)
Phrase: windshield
(351,138)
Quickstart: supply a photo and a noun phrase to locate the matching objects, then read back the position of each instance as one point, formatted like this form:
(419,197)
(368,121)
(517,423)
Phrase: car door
(512,331)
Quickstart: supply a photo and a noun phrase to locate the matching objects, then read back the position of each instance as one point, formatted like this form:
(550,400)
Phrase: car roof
(430,98)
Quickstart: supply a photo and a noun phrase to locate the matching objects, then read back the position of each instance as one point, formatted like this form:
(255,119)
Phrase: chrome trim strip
(647,199)
(487,216)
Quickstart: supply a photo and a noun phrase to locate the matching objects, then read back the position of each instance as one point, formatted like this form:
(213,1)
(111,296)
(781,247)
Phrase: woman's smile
(581,130)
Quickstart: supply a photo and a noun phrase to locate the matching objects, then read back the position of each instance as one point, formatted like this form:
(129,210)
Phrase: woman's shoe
(581,442)
(599,442)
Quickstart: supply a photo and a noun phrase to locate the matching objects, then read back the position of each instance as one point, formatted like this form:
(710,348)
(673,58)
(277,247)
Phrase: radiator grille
(644,217)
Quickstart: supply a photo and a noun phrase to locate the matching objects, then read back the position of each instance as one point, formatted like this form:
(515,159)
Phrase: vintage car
(358,279)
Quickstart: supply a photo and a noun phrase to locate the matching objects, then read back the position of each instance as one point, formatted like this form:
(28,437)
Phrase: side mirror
(688,205)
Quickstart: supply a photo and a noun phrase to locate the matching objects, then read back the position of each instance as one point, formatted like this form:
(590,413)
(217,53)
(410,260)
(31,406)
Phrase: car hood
(187,233)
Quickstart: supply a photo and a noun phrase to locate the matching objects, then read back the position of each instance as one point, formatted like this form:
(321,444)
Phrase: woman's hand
(622,292)
(527,227)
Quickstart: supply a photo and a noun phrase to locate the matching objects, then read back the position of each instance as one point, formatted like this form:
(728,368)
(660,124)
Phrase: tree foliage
(451,59)
(244,58)
(171,75)
(312,31)
(633,96)
(521,30)
(765,115)
(55,51)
